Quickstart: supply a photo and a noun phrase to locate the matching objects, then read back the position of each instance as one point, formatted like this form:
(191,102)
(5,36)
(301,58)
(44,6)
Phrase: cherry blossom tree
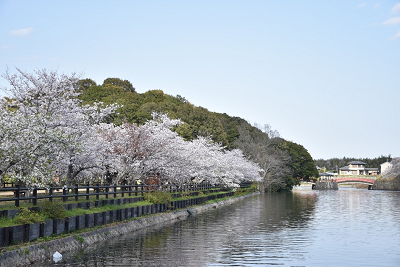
(27,147)
(50,132)
(394,171)
(149,148)
(155,148)
(47,134)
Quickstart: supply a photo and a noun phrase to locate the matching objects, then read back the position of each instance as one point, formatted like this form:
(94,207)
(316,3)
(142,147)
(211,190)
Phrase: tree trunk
(70,179)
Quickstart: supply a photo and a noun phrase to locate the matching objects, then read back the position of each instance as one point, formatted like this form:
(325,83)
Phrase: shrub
(253,187)
(79,238)
(158,197)
(54,210)
(5,221)
(25,216)
(241,190)
(185,194)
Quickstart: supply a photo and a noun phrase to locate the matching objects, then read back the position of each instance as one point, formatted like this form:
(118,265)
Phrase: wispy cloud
(392,21)
(22,32)
(396,36)
(5,47)
(376,6)
(396,8)
(362,5)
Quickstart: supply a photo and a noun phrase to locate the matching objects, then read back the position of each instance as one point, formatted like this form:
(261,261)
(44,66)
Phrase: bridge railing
(372,177)
(354,179)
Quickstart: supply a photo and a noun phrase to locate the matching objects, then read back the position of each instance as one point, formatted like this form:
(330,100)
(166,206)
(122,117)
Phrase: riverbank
(43,252)
(43,223)
(386,184)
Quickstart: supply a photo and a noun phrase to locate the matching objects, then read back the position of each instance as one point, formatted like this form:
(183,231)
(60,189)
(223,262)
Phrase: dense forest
(334,164)
(284,163)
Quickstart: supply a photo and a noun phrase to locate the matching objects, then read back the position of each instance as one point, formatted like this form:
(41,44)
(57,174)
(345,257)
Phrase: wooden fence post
(51,193)
(87,191)
(26,232)
(76,192)
(17,195)
(98,191)
(65,193)
(35,196)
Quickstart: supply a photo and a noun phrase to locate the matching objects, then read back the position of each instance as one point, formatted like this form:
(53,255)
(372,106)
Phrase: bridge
(332,182)
(352,179)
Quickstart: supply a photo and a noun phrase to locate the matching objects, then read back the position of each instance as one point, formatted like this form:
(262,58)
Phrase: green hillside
(279,158)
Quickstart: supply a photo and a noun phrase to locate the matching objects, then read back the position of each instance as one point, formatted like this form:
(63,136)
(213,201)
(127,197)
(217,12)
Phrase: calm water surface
(348,227)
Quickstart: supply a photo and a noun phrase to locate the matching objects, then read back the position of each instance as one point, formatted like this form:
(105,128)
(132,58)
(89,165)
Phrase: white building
(357,168)
(386,167)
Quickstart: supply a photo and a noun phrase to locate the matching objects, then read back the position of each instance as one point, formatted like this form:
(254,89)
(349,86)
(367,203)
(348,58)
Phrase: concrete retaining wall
(326,186)
(44,251)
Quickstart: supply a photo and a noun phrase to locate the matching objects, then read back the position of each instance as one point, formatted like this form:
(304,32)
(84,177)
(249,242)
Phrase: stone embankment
(386,185)
(43,252)
(325,186)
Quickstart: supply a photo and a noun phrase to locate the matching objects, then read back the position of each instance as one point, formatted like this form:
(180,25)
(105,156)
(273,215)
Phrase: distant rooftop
(356,163)
(326,174)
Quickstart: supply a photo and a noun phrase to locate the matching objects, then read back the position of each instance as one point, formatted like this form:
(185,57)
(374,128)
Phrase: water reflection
(278,233)
(302,228)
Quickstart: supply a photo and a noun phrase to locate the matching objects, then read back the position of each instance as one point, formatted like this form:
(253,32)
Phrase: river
(347,227)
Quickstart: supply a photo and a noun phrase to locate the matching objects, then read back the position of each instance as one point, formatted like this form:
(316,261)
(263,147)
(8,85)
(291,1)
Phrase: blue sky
(325,74)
